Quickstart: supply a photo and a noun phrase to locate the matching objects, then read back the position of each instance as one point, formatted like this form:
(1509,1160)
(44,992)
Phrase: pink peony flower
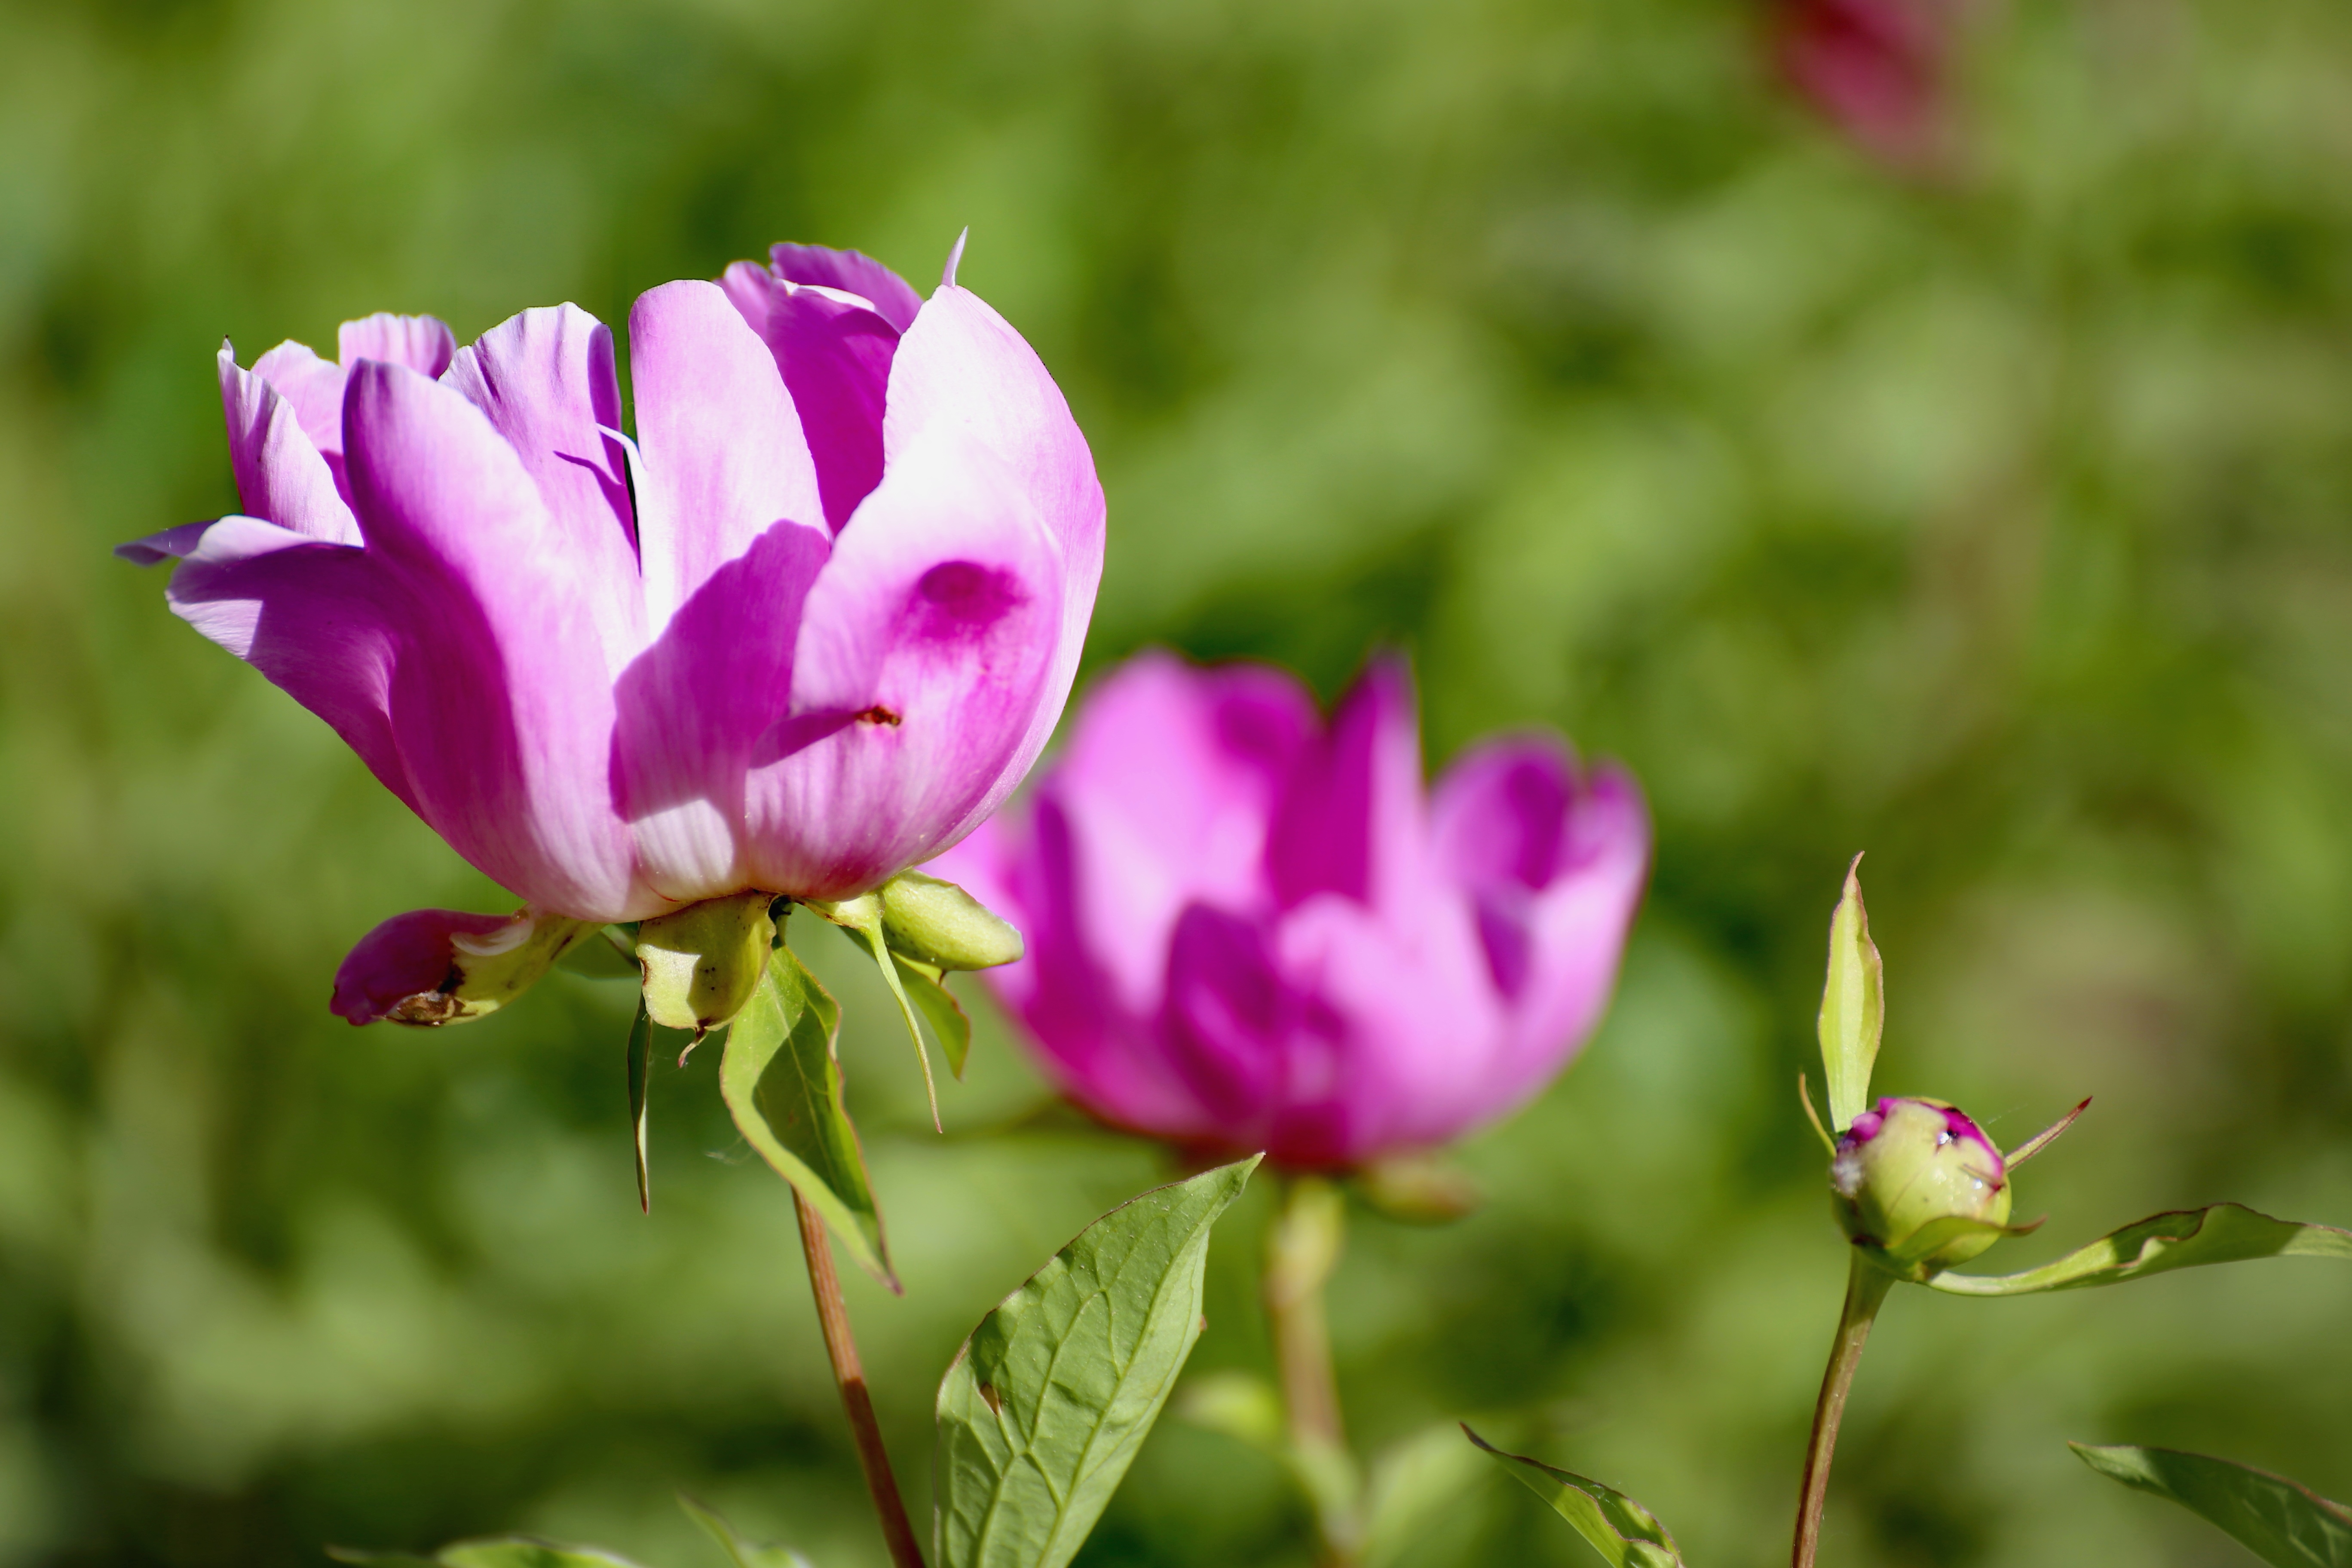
(1877,69)
(808,630)
(1246,929)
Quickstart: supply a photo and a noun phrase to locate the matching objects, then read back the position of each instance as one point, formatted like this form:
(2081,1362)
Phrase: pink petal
(723,455)
(835,357)
(961,365)
(282,476)
(499,696)
(319,620)
(1350,818)
(852,274)
(1231,1022)
(313,388)
(545,380)
(406,955)
(422,343)
(921,651)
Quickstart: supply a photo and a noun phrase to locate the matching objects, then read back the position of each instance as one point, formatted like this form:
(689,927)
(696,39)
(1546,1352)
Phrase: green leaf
(2181,1238)
(2281,1521)
(1412,1481)
(926,988)
(780,1079)
(1853,1005)
(742,1553)
(641,1069)
(1050,1398)
(863,915)
(489,1551)
(1625,1532)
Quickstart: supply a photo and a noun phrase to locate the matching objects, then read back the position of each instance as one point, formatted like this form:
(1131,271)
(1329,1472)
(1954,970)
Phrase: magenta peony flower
(806,631)
(1248,930)
(1877,69)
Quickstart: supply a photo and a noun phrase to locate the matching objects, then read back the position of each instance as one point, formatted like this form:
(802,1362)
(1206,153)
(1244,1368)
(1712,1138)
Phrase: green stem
(1866,1289)
(1302,1248)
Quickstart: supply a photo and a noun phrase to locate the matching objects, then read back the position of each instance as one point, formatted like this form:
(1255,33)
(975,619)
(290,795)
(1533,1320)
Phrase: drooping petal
(500,699)
(282,476)
(545,380)
(963,366)
(422,343)
(723,454)
(852,273)
(693,706)
(922,648)
(321,620)
(1351,821)
(407,957)
(834,354)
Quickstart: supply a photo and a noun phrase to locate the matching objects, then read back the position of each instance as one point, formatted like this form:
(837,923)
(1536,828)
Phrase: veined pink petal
(422,343)
(281,474)
(319,620)
(834,353)
(963,366)
(545,380)
(313,388)
(724,456)
(406,955)
(500,700)
(852,273)
(922,648)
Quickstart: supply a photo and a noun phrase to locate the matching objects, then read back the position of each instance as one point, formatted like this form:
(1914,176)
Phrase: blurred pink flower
(1249,929)
(1877,69)
(808,629)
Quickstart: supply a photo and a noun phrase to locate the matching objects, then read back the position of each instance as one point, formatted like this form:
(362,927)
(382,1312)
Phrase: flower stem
(1301,1250)
(833,1316)
(1866,1289)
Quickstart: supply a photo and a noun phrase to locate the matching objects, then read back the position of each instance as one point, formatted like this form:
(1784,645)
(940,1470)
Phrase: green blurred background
(1995,521)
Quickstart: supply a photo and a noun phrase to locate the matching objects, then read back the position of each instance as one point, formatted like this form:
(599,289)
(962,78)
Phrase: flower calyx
(701,963)
(431,967)
(929,922)
(1918,1187)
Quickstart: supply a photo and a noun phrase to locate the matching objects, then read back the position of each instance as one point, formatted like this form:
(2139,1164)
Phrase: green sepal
(1052,1396)
(937,923)
(487,971)
(2180,1239)
(1853,1005)
(489,1551)
(2280,1520)
(742,1553)
(602,956)
(1626,1534)
(926,988)
(641,1072)
(780,1078)
(863,915)
(702,964)
(1904,1259)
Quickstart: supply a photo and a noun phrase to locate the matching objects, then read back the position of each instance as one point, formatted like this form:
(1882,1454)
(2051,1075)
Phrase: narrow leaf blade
(2181,1238)
(1050,1398)
(780,1079)
(1412,1483)
(1853,1005)
(926,988)
(641,1069)
(1626,1534)
(2280,1520)
(742,1553)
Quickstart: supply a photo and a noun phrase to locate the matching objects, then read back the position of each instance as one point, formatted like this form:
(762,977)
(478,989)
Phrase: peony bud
(1919,1186)
(939,924)
(702,964)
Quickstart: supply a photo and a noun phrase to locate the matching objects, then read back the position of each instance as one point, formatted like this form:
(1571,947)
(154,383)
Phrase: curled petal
(448,966)
(852,273)
(283,474)
(420,342)
(834,353)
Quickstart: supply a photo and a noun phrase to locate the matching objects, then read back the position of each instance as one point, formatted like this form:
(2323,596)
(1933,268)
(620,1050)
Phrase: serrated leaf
(742,1553)
(1412,1481)
(1626,1534)
(1853,1005)
(1050,1398)
(641,1071)
(490,1552)
(780,1079)
(2180,1238)
(926,988)
(2280,1520)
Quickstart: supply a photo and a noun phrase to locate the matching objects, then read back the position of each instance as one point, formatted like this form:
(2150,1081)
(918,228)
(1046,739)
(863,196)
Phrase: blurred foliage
(1995,521)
